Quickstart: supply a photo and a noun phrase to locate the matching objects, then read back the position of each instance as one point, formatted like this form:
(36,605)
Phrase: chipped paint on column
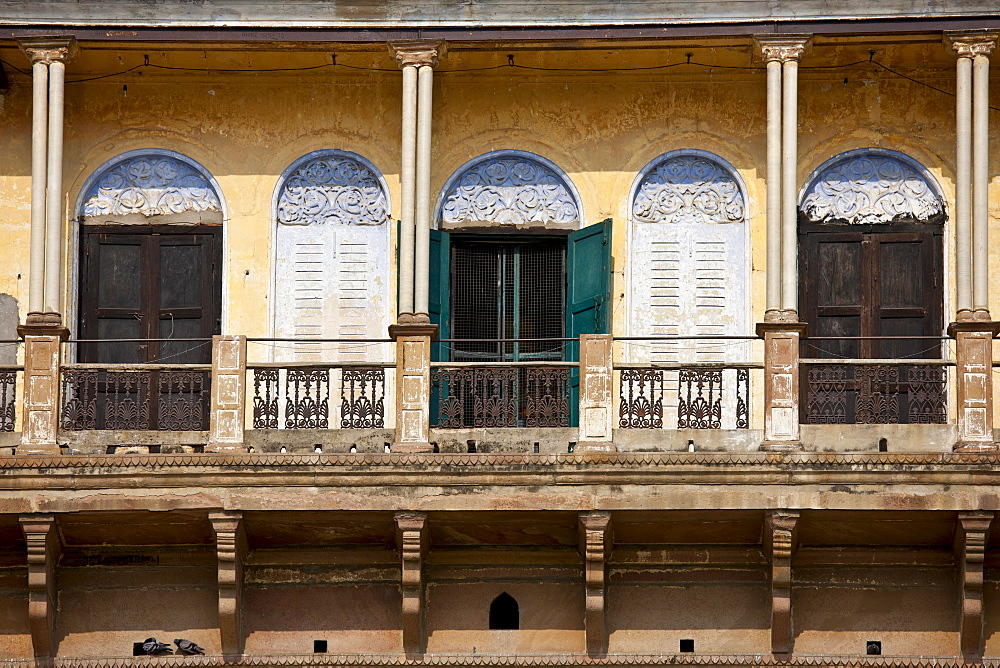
(781,385)
(229,370)
(596,397)
(974,383)
(41,395)
(413,371)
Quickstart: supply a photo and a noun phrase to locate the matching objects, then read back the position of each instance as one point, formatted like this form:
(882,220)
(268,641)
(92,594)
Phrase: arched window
(331,256)
(871,265)
(504,613)
(689,266)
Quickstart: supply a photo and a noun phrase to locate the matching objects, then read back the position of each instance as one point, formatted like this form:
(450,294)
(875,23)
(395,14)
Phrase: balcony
(662,394)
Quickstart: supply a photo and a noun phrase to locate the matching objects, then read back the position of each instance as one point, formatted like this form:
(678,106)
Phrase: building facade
(488,333)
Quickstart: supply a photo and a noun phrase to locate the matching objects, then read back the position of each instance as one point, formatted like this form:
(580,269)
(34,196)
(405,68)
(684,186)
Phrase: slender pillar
(779,538)
(421,248)
(411,539)
(596,394)
(229,372)
(971,535)
(963,179)
(231,550)
(595,549)
(39,155)
(782,53)
(44,548)
(407,188)
(48,56)
(981,177)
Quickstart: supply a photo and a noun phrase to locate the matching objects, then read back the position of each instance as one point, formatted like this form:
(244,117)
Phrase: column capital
(782,48)
(971,43)
(418,52)
(49,49)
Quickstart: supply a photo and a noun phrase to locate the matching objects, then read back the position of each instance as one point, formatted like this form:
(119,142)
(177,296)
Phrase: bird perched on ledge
(187,647)
(153,647)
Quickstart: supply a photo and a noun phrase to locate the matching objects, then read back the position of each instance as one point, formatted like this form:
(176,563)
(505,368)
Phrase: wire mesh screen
(508,291)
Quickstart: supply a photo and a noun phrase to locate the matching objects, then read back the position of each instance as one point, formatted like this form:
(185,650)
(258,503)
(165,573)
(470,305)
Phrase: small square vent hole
(687,644)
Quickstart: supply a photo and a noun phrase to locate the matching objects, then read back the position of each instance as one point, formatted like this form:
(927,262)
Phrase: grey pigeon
(187,647)
(153,647)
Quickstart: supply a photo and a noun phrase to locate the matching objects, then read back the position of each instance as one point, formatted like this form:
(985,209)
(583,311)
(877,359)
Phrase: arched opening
(504,613)
(689,274)
(871,267)
(513,273)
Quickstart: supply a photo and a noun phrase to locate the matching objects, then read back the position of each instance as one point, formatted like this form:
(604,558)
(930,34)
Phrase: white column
(773,185)
(54,201)
(407,188)
(39,154)
(421,250)
(981,178)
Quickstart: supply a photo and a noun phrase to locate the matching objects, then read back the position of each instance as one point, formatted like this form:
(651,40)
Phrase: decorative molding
(595,548)
(971,43)
(417,53)
(411,539)
(871,186)
(782,48)
(689,187)
(49,49)
(780,538)
(509,188)
(332,187)
(150,183)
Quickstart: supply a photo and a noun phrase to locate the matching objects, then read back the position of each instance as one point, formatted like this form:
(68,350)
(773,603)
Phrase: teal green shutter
(439,290)
(588,295)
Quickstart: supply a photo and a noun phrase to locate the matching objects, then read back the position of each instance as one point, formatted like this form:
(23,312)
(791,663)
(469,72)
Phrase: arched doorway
(871,267)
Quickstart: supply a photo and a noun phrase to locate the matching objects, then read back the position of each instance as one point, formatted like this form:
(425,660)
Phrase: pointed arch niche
(689,265)
(331,257)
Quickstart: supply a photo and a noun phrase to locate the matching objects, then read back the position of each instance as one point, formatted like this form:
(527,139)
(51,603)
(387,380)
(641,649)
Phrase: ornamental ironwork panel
(547,397)
(878,394)
(827,395)
(79,400)
(641,392)
(8,387)
(126,399)
(307,399)
(487,397)
(265,398)
(182,400)
(927,395)
(699,399)
(743,398)
(362,399)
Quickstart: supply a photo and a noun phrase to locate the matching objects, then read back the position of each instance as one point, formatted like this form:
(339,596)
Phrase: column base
(43,323)
(975,446)
(47,449)
(781,446)
(410,447)
(584,447)
(226,447)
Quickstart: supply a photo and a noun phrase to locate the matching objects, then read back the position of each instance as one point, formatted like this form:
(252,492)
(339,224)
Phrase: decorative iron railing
(148,397)
(885,391)
(500,394)
(708,396)
(297,396)
(8,393)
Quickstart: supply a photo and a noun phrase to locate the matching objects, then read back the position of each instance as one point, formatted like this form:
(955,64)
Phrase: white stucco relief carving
(150,185)
(335,190)
(688,189)
(868,188)
(510,190)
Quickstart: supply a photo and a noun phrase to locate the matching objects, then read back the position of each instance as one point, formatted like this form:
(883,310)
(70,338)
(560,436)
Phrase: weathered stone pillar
(229,372)
(231,550)
(974,381)
(413,334)
(971,535)
(44,548)
(411,539)
(43,336)
(595,548)
(781,384)
(779,543)
(597,399)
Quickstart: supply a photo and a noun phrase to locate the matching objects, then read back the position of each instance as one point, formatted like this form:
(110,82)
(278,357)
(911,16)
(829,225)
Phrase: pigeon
(187,647)
(153,647)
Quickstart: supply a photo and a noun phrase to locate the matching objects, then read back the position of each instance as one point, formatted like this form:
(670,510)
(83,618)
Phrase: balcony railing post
(413,334)
(974,383)
(229,373)
(596,396)
(43,335)
(781,384)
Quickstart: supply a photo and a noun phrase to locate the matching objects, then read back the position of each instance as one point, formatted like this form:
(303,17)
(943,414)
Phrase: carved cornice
(782,48)
(972,43)
(418,53)
(49,49)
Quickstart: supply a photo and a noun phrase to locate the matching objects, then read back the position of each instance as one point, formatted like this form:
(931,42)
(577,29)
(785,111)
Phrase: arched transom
(333,188)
